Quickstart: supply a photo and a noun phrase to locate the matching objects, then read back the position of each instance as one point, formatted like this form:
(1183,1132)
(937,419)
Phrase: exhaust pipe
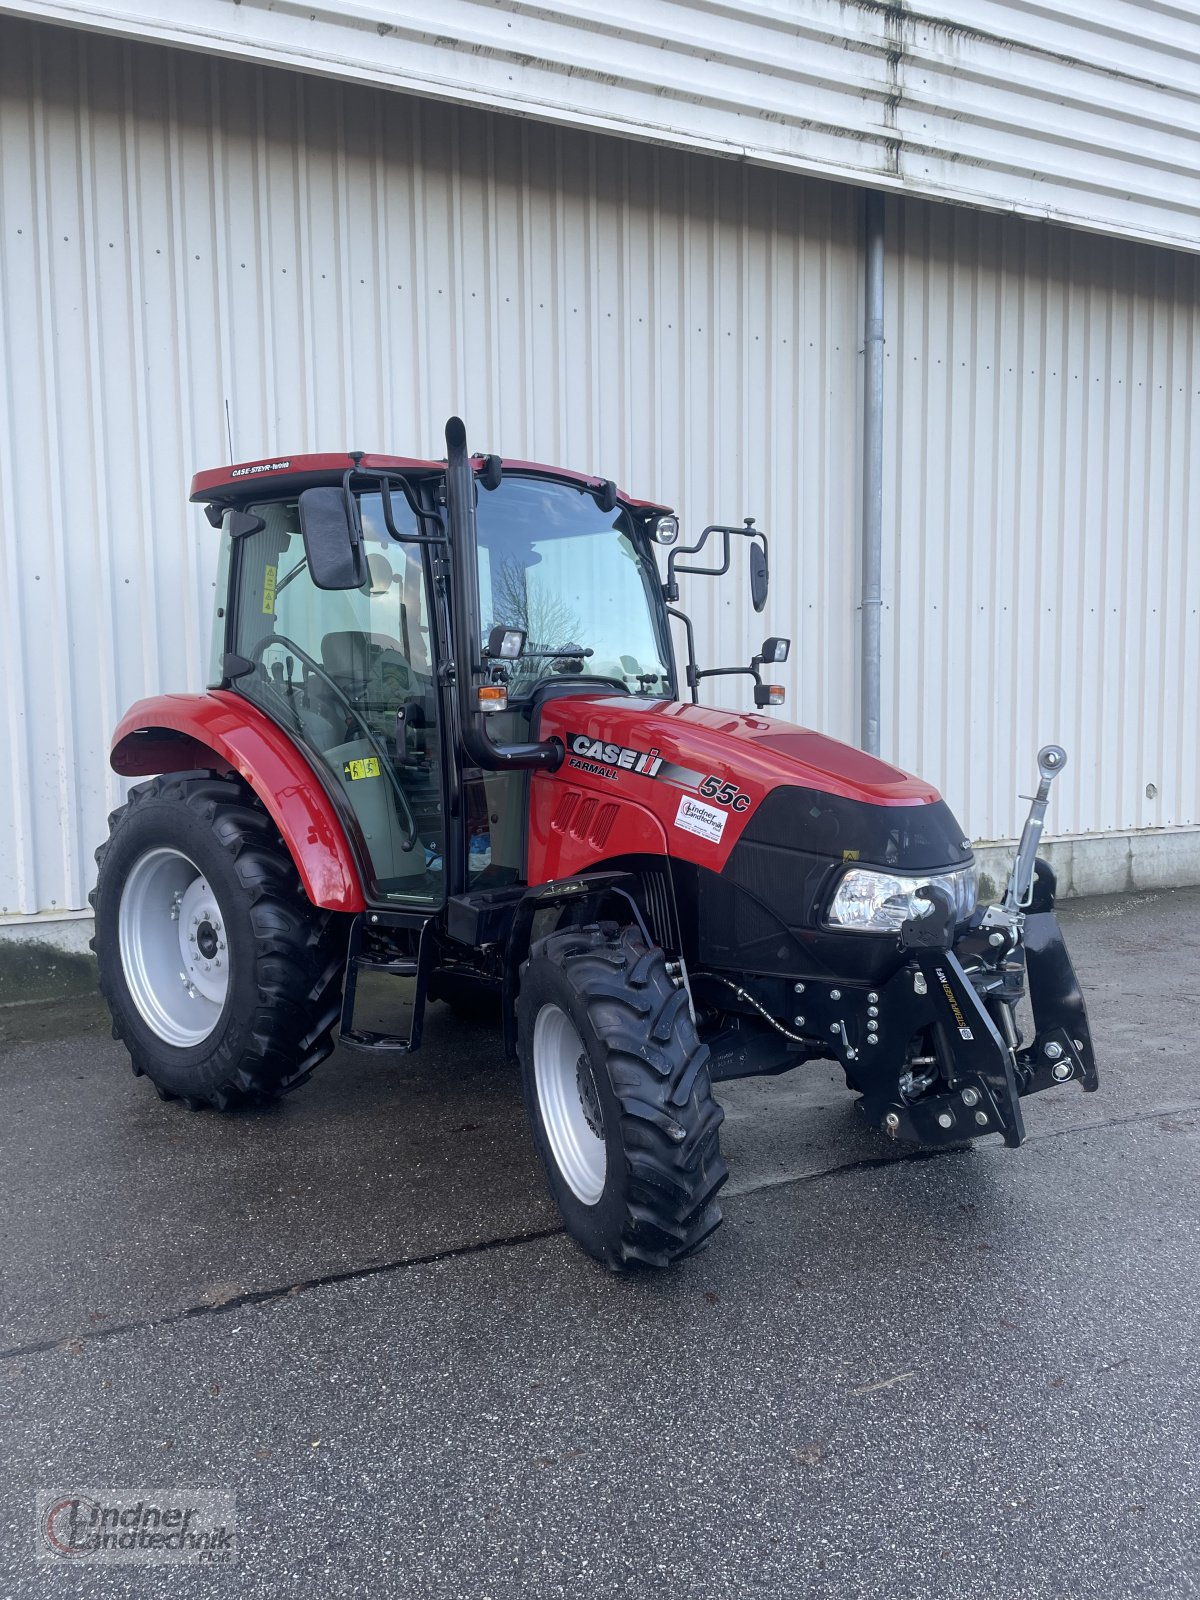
(464,616)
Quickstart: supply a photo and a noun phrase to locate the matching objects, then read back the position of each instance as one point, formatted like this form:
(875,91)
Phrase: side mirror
(760,576)
(505,644)
(332,541)
(775,650)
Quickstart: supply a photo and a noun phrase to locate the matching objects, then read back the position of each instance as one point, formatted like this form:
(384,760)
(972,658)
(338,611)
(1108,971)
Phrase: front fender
(174,732)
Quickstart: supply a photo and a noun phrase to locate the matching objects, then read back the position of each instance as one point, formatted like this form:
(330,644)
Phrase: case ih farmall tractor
(446,755)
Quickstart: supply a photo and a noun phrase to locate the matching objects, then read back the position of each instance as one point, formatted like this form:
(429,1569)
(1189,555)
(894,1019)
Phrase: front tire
(617,1088)
(223,980)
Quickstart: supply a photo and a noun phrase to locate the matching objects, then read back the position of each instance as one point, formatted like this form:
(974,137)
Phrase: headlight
(879,902)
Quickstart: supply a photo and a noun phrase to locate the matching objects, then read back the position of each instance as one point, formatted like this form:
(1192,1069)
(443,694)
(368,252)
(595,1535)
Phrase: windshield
(568,574)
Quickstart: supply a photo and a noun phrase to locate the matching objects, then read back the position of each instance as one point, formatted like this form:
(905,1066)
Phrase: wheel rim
(174,948)
(569,1105)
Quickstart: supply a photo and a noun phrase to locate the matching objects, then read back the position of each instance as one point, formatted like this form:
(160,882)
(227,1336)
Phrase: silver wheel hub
(569,1104)
(174,948)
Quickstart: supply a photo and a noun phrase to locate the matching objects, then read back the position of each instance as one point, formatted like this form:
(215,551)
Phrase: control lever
(1052,758)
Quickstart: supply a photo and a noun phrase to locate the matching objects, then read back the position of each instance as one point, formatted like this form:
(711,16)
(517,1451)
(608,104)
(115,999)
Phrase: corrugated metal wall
(347,267)
(1086,113)
(1042,579)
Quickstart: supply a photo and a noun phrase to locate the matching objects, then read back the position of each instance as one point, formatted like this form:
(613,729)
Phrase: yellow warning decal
(849,855)
(368,767)
(269,591)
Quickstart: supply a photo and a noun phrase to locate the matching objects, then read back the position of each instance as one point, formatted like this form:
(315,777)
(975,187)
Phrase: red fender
(175,732)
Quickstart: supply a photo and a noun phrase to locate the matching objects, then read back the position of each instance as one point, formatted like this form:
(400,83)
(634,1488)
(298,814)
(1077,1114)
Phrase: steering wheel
(368,733)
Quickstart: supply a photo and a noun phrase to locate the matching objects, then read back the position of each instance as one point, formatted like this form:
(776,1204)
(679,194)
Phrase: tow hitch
(963,995)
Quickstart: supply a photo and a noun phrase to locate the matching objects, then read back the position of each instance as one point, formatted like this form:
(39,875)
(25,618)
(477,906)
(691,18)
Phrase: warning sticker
(368,767)
(705,821)
(269,574)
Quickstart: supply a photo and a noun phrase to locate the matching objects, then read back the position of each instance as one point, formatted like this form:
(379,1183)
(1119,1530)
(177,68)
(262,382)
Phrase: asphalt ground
(973,1373)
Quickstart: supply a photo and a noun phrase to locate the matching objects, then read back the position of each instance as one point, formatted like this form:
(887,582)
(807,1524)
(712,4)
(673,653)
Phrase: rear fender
(224,731)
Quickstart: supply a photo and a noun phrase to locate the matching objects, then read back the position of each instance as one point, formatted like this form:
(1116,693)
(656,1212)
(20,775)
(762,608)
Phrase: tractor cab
(361,675)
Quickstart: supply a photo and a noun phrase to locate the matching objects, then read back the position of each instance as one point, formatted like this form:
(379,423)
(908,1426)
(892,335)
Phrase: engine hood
(644,776)
(756,751)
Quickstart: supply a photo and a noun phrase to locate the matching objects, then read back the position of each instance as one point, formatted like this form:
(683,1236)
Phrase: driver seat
(346,657)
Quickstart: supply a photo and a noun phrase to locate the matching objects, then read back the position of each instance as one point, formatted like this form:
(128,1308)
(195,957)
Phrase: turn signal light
(769,694)
(492,697)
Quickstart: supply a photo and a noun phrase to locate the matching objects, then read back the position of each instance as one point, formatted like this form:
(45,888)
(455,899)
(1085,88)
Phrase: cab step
(387,980)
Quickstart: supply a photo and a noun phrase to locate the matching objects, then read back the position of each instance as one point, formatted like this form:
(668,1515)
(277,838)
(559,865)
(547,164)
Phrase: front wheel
(617,1087)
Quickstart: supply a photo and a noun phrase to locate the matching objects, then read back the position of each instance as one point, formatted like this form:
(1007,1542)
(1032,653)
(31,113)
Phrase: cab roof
(287,475)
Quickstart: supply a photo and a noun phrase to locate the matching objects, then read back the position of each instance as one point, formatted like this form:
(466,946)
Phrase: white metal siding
(1084,112)
(348,267)
(1042,502)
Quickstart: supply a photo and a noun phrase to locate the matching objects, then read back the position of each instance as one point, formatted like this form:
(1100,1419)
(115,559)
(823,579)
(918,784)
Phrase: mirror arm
(674,564)
(693,675)
(385,482)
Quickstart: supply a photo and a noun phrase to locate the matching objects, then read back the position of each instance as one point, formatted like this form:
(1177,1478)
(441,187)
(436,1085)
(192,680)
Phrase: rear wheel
(617,1088)
(223,980)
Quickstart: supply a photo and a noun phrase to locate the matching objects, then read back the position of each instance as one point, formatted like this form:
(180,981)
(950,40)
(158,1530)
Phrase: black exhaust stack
(464,613)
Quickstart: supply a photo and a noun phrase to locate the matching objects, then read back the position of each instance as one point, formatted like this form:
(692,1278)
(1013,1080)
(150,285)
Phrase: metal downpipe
(872,503)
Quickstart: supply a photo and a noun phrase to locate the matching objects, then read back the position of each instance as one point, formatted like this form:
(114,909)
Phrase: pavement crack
(76,1342)
(872,1163)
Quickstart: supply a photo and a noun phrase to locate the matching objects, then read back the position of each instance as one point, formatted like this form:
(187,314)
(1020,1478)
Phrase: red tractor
(446,756)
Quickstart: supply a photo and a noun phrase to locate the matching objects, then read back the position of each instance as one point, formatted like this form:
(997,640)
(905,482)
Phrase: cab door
(351,675)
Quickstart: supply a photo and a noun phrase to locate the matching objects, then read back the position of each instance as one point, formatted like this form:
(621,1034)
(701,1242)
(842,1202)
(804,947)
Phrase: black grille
(764,910)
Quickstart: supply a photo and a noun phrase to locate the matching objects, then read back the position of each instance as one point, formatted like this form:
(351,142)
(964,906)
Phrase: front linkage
(962,995)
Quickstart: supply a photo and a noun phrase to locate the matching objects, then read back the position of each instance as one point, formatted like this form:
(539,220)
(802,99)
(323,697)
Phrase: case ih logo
(615,755)
(610,760)
(260,466)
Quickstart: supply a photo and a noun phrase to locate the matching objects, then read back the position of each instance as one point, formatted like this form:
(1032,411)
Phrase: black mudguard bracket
(1059,1013)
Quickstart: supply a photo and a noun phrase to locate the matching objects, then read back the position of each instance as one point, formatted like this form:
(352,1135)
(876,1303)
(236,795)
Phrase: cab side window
(350,673)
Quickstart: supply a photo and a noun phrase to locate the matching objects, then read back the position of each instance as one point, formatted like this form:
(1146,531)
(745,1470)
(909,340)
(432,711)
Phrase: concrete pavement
(967,1374)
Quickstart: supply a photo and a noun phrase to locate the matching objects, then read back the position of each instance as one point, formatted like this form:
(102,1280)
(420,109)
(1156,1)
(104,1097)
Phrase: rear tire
(617,1088)
(223,980)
